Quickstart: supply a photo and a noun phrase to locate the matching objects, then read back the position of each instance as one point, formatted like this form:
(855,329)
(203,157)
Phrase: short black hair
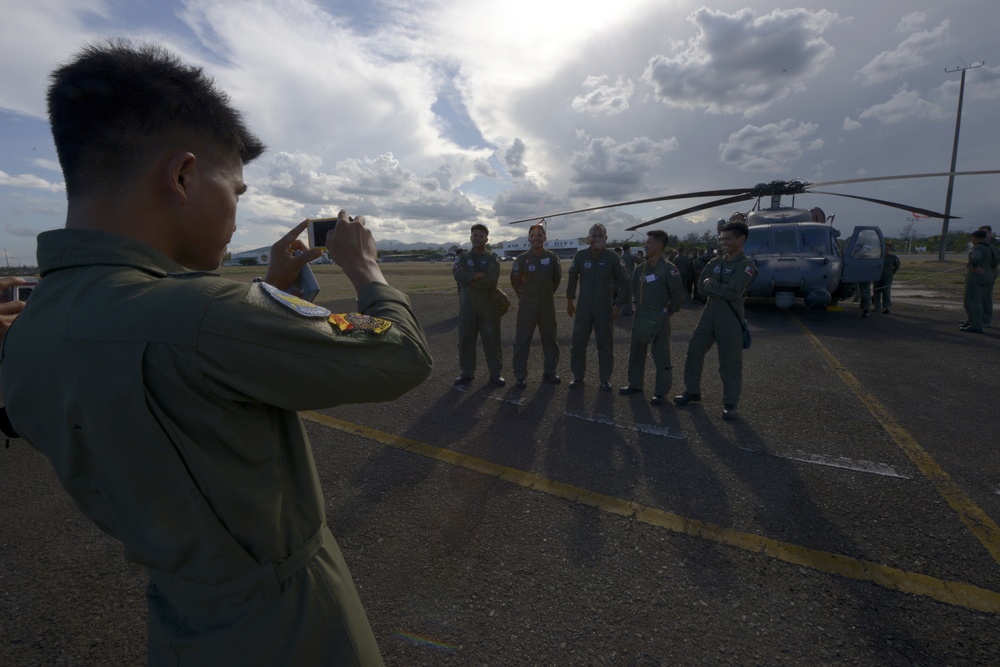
(979,234)
(116,103)
(740,228)
(481,227)
(660,236)
(626,247)
(986,228)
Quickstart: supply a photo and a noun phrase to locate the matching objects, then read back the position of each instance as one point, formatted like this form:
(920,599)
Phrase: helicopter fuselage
(797,257)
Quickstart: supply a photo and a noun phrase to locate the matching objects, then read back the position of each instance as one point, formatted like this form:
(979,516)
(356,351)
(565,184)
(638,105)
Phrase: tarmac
(849,517)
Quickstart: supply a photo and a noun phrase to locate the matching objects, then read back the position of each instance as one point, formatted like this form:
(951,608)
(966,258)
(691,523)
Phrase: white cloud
(908,56)
(607,168)
(29,181)
(981,83)
(904,105)
(911,22)
(850,124)
(742,63)
(602,98)
(770,148)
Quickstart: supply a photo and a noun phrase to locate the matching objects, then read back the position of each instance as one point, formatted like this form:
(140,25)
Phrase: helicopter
(796,250)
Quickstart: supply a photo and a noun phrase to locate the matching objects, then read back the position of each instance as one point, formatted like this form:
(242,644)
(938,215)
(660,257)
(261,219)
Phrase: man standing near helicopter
(883,286)
(723,281)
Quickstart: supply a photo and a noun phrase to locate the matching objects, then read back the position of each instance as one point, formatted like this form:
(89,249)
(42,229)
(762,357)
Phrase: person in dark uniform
(535,275)
(994,246)
(685,266)
(629,261)
(657,288)
(882,299)
(167,396)
(724,281)
(477,274)
(978,278)
(598,271)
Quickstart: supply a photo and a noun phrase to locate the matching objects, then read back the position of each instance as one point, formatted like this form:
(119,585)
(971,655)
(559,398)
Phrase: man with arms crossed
(724,281)
(166,397)
(477,273)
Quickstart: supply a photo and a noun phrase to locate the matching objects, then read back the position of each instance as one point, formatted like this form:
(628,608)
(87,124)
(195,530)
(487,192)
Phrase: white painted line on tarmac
(503,399)
(648,429)
(870,467)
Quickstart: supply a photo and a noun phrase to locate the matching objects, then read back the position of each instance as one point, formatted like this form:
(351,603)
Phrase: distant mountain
(399,246)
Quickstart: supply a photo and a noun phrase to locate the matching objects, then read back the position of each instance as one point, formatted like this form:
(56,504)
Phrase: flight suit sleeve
(253,352)
(637,272)
(574,275)
(516,275)
(492,277)
(556,272)
(462,273)
(743,274)
(675,288)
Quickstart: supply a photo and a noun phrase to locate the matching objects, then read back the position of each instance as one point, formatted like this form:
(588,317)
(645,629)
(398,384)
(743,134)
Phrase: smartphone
(19,292)
(318,229)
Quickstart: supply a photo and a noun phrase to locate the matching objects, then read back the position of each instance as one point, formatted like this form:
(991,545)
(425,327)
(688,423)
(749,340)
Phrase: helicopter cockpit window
(867,246)
(785,240)
(756,242)
(816,240)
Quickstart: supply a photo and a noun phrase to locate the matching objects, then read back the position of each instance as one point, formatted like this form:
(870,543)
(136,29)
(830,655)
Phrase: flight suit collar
(69,248)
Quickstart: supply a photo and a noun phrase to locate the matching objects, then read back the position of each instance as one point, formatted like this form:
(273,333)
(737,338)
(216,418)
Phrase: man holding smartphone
(166,397)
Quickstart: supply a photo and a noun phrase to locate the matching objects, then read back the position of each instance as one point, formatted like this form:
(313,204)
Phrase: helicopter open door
(863,255)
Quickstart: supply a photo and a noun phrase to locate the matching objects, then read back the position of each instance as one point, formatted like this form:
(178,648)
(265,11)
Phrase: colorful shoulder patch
(750,270)
(346,322)
(294,303)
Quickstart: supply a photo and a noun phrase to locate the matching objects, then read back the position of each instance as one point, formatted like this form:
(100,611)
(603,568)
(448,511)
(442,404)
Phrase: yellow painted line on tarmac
(974,518)
(950,592)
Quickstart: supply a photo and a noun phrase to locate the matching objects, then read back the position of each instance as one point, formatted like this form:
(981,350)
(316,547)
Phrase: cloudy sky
(429,115)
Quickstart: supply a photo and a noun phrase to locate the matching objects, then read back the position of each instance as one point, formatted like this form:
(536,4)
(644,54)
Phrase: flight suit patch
(293,303)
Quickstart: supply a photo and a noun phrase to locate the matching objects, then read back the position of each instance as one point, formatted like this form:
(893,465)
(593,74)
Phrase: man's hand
(9,310)
(570,308)
(285,265)
(352,247)
(615,311)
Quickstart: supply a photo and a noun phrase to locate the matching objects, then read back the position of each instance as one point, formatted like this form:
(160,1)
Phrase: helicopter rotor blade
(686,195)
(902,176)
(902,207)
(701,207)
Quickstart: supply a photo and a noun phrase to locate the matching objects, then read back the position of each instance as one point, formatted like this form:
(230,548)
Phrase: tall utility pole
(954,157)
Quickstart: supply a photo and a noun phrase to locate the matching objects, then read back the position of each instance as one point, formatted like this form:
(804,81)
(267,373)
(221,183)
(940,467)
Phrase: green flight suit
(630,261)
(535,279)
(723,282)
(978,280)
(478,312)
(685,265)
(882,299)
(167,403)
(865,296)
(988,293)
(658,287)
(598,276)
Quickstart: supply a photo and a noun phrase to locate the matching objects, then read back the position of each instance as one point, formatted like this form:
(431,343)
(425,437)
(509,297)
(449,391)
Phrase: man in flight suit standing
(598,271)
(477,273)
(724,281)
(656,286)
(978,278)
(882,299)
(535,276)
(167,397)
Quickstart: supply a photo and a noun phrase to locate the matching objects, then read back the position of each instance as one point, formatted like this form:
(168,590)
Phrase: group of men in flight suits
(602,286)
